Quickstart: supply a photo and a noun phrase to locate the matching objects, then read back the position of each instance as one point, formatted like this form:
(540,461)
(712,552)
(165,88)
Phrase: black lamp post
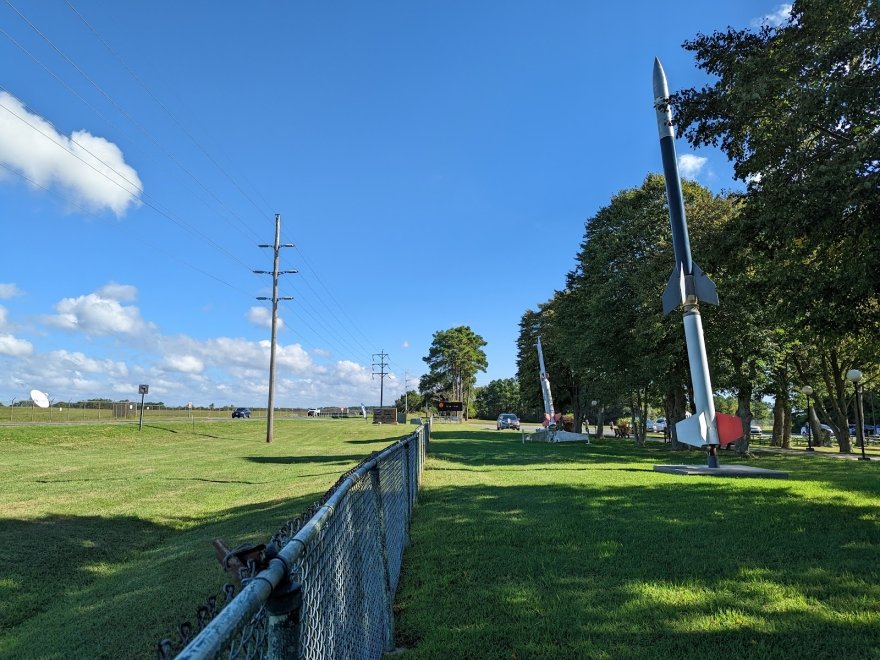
(855,377)
(806,389)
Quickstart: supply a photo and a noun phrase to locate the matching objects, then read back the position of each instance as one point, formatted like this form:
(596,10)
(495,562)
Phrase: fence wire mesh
(345,552)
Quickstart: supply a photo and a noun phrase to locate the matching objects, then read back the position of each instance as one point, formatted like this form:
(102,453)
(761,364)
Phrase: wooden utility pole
(270,409)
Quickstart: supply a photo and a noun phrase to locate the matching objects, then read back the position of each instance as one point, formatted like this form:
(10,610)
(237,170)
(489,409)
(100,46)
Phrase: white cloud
(179,368)
(321,352)
(353,373)
(14,347)
(405,344)
(293,356)
(262,317)
(120,292)
(188,364)
(9,291)
(779,16)
(90,170)
(79,362)
(97,314)
(690,165)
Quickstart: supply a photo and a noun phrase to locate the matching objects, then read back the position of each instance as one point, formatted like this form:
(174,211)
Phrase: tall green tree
(455,357)
(566,383)
(797,110)
(412,401)
(498,396)
(614,325)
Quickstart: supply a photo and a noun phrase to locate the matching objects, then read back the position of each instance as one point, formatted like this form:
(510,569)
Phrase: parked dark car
(241,412)
(507,421)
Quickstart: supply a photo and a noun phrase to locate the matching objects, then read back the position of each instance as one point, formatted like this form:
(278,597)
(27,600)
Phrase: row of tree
(796,258)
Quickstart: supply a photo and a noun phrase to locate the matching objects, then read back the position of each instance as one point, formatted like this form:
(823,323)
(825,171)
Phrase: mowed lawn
(574,551)
(105,532)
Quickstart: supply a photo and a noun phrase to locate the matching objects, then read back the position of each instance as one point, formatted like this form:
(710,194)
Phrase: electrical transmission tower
(382,373)
(270,410)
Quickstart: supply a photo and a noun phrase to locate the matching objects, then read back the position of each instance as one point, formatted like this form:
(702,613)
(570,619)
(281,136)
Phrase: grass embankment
(105,533)
(567,551)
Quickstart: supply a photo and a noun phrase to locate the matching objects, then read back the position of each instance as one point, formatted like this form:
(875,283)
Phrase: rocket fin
(704,287)
(673,295)
(730,428)
(693,430)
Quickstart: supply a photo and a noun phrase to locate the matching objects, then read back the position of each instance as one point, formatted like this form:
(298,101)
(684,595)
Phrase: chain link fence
(323,587)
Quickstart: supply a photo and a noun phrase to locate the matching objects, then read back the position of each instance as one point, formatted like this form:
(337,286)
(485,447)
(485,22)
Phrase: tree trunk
(744,412)
(577,409)
(786,428)
(776,439)
(633,405)
(675,409)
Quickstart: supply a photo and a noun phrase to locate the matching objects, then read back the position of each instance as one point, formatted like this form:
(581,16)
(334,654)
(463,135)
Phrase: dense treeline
(796,257)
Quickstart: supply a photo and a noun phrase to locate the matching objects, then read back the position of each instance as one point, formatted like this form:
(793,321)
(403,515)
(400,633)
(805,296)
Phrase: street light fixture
(855,377)
(806,389)
(593,405)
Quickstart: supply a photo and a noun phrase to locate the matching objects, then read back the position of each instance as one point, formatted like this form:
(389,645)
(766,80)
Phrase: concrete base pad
(544,435)
(722,471)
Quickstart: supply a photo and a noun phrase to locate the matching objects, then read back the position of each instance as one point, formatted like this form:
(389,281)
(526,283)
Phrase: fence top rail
(211,640)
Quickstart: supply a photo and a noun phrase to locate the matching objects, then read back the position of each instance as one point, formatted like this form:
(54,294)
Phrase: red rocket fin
(730,428)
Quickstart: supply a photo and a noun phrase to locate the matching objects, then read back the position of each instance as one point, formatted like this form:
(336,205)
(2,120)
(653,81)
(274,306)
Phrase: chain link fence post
(283,622)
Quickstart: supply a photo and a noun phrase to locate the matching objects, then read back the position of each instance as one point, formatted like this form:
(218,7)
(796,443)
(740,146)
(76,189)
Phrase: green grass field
(105,532)
(517,550)
(570,551)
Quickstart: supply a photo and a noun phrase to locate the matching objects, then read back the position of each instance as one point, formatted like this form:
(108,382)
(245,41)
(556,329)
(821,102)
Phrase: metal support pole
(809,424)
(860,414)
(141,422)
(283,629)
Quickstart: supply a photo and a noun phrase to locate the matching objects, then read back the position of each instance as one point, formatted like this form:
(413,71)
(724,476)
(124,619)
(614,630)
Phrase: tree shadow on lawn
(385,442)
(671,569)
(333,459)
(484,448)
(111,587)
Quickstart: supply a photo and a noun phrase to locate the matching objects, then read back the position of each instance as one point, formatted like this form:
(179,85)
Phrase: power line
(127,115)
(144,197)
(179,124)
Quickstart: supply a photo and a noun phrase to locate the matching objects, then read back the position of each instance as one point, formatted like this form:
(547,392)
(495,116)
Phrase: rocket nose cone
(661,89)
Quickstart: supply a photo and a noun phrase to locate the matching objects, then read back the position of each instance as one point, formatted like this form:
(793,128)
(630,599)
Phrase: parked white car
(659,425)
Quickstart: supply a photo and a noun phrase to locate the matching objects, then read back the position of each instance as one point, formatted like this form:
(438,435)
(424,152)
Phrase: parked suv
(313,412)
(507,421)
(241,412)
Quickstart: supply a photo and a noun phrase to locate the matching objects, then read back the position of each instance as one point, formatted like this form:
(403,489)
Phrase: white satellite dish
(40,399)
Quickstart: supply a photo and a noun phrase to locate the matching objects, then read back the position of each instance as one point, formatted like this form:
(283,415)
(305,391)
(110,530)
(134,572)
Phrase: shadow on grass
(96,587)
(31,582)
(639,571)
(486,448)
(337,459)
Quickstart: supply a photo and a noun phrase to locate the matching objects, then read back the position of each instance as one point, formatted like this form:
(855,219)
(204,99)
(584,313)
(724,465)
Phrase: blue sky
(433,162)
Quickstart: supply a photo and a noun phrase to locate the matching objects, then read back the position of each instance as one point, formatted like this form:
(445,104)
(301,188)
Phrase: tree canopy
(455,357)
